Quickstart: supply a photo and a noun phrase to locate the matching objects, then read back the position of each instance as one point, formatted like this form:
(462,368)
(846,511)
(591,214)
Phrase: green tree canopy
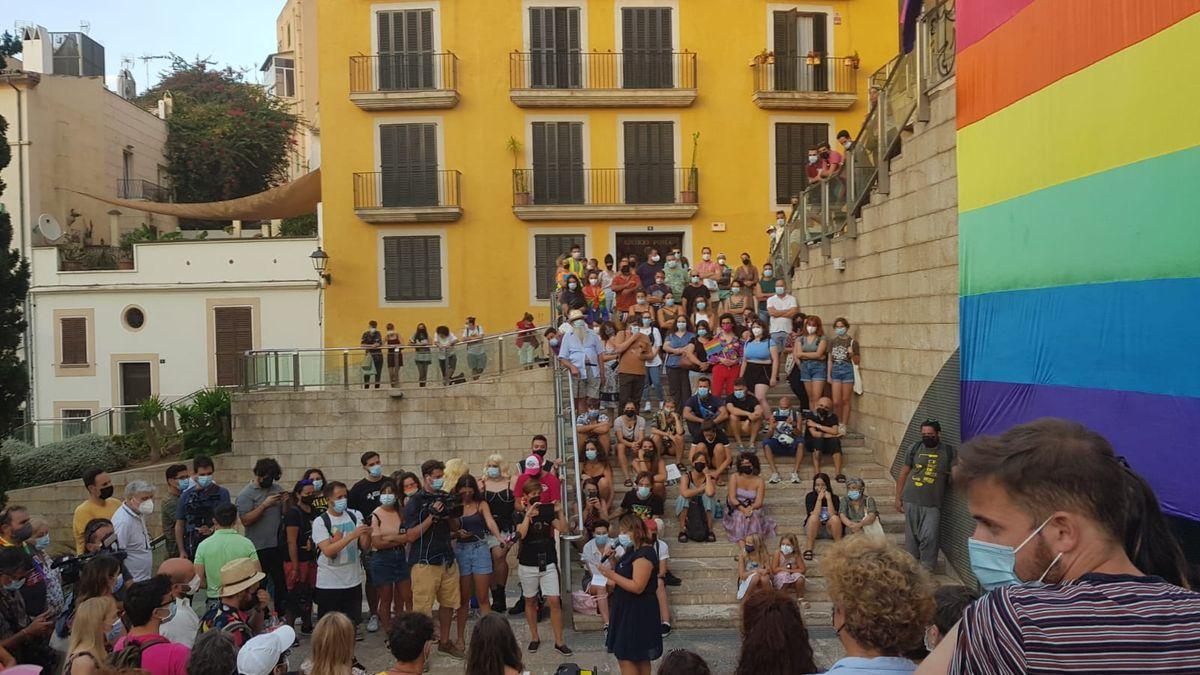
(14,285)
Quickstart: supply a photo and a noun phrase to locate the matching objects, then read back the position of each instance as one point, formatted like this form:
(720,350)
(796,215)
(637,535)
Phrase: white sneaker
(795,478)
(773,479)
(373,624)
(842,429)
(646,407)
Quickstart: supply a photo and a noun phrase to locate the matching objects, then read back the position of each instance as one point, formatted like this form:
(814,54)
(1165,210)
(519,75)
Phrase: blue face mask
(670,302)
(701,332)
(204,481)
(702,391)
(995,564)
(318,484)
(437,483)
(493,472)
(767,273)
(601,540)
(625,540)
(739,394)
(853,494)
(749,548)
(184,484)
(42,543)
(840,330)
(114,633)
(643,492)
(339,505)
(118,584)
(387,500)
(14,585)
(171,614)
(375,470)
(591,455)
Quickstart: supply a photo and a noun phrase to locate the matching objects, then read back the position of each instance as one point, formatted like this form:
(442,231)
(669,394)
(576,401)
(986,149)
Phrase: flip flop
(841,478)
(628,482)
(808,555)
(683,538)
(711,537)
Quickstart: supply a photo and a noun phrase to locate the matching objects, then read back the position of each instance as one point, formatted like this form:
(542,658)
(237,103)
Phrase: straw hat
(575,314)
(238,575)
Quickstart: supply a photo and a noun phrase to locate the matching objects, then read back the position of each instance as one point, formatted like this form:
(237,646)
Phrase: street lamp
(320,260)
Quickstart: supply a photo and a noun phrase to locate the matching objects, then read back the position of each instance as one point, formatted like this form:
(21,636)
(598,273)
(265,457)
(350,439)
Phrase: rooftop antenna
(147,58)
(85,27)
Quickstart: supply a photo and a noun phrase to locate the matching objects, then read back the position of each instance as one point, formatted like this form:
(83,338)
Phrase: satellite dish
(49,227)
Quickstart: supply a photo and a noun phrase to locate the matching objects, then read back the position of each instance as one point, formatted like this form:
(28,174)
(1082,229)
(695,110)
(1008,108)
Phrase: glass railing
(395,367)
(898,91)
(114,421)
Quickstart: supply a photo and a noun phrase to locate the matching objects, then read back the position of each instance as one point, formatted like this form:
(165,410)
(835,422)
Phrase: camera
(451,505)
(71,566)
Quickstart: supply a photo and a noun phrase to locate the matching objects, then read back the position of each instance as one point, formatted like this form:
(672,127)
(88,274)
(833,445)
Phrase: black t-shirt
(372,337)
(747,402)
(828,419)
(364,497)
(537,547)
(645,508)
(433,547)
(690,293)
(810,500)
(304,546)
(706,408)
(699,352)
(573,299)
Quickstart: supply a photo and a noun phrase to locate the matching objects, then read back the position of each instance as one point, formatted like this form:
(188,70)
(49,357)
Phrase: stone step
(723,615)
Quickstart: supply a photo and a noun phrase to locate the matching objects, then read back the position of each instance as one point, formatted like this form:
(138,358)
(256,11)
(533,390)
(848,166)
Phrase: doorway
(637,243)
(135,388)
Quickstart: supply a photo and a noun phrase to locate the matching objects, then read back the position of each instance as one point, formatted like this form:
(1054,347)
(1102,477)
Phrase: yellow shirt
(87,512)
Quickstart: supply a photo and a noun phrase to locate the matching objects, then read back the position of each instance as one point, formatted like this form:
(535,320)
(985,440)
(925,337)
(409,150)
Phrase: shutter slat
(233,329)
(412,268)
(73,332)
(546,249)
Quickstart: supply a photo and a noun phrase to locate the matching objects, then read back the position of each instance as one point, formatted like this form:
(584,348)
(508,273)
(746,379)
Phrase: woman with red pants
(728,358)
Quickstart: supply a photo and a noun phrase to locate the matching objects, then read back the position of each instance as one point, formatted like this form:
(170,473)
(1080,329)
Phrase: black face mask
(929,441)
(309,499)
(747,470)
(540,453)
(266,481)
(24,533)
(631,414)
(745,261)
(699,467)
(593,495)
(106,492)
(625,269)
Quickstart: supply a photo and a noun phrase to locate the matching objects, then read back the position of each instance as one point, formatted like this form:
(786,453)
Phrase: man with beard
(919,491)
(99,504)
(239,611)
(579,352)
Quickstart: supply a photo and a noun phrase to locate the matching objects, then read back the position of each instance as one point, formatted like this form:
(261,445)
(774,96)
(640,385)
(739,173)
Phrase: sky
(238,33)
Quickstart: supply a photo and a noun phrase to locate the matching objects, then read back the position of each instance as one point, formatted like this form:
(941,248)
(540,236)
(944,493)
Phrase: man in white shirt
(129,524)
(184,623)
(782,308)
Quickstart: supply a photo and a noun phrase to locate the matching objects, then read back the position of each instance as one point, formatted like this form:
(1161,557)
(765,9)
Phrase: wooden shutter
(412,268)
(646,46)
(546,249)
(792,143)
(73,332)
(558,162)
(405,49)
(234,335)
(819,79)
(554,46)
(649,162)
(408,164)
(787,50)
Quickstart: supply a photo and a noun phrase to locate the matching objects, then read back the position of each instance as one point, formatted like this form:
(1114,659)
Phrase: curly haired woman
(882,601)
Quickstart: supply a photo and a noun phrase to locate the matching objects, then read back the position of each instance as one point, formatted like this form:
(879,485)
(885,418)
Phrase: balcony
(404,81)
(602,79)
(136,188)
(812,82)
(587,194)
(410,196)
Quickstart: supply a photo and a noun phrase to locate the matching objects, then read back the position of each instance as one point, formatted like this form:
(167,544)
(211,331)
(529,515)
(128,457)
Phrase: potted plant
(690,179)
(521,196)
(71,253)
(124,258)
(854,61)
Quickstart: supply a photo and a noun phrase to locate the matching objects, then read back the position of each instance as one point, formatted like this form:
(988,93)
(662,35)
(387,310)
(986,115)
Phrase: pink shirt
(167,658)
(551,487)
(707,270)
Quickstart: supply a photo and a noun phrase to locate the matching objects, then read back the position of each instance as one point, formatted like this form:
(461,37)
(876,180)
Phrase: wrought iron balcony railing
(138,188)
(403,72)
(605,187)
(602,70)
(399,189)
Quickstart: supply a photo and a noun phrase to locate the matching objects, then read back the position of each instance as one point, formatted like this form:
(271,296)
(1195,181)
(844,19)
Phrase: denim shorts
(389,566)
(779,340)
(812,371)
(474,557)
(842,371)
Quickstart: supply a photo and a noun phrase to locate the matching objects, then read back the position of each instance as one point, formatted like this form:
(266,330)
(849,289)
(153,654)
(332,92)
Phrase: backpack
(130,656)
(696,526)
(329,523)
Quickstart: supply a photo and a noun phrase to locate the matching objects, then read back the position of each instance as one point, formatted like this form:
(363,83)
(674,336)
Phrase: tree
(226,138)
(14,285)
(10,45)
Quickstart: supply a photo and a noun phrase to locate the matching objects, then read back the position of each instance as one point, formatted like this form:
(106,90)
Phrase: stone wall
(331,429)
(900,286)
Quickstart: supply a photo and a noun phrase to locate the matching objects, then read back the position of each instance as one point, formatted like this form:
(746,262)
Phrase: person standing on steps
(635,628)
(422,357)
(472,334)
(782,308)
(395,357)
(372,342)
(843,354)
(431,559)
(634,348)
(579,352)
(364,498)
(919,491)
(178,479)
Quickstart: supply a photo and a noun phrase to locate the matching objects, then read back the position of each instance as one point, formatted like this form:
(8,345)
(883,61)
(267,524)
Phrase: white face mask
(757,331)
(812,330)
(707,256)
(146,507)
(785,549)
(194,585)
(654,258)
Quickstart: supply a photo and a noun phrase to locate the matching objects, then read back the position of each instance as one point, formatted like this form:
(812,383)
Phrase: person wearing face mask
(537,559)
(761,366)
(571,296)
(657,292)
(950,601)
(764,290)
(594,425)
(744,503)
(15,526)
(239,609)
(640,501)
(858,512)
(46,582)
(183,624)
(90,643)
(594,466)
(680,349)
(810,352)
(641,307)
(579,352)
(635,632)
(422,357)
(341,534)
(747,273)
(1069,542)
(537,467)
(754,565)
(596,306)
(669,312)
(728,355)
(598,552)
(782,308)
(23,635)
(364,498)
(703,407)
(178,479)
(666,430)
(708,269)
(430,524)
(388,571)
(882,601)
(148,604)
(775,229)
(698,491)
(476,529)
(626,285)
(843,354)
(99,504)
(267,654)
(646,459)
(499,491)
(654,362)
(371,343)
(630,430)
(822,437)
(300,570)
(675,276)
(133,537)
(527,342)
(745,415)
(843,139)
(695,293)
(197,504)
(261,505)
(652,266)
(920,488)
(788,568)
(224,545)
(737,301)
(634,348)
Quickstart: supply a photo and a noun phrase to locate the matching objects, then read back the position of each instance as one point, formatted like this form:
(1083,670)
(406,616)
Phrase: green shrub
(12,447)
(205,423)
(64,460)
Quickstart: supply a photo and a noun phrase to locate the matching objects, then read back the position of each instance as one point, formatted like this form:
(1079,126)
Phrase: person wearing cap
(237,612)
(535,470)
(579,352)
(267,654)
(182,626)
(147,605)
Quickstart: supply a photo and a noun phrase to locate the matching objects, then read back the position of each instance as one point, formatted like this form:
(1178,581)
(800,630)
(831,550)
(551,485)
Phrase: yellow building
(425,218)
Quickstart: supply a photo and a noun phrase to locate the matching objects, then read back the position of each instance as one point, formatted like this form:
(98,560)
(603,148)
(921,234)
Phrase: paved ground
(718,647)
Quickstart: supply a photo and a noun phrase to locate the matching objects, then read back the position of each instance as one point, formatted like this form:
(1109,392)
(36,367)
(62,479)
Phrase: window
(412,268)
(408,164)
(546,249)
(554,58)
(233,329)
(646,48)
(73,332)
(285,77)
(133,317)
(405,41)
(558,162)
(796,36)
(75,421)
(792,143)
(649,162)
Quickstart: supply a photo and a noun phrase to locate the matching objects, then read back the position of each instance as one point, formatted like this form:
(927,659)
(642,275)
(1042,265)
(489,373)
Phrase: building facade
(292,76)
(636,123)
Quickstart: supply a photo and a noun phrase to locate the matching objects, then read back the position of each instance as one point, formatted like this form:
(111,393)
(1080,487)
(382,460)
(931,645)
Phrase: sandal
(683,538)
(808,555)
(628,482)
(533,646)
(841,478)
(711,537)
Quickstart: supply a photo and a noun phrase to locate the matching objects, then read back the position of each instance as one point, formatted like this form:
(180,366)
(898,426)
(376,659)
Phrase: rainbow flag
(712,347)
(1078,152)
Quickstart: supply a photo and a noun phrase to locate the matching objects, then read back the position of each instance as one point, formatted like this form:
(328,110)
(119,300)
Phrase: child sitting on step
(754,565)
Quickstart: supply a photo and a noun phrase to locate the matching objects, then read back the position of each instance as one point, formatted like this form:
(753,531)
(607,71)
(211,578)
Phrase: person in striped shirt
(1083,573)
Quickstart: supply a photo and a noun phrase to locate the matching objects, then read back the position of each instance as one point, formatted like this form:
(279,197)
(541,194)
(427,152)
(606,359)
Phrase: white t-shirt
(134,540)
(660,547)
(781,324)
(344,571)
(591,555)
(656,342)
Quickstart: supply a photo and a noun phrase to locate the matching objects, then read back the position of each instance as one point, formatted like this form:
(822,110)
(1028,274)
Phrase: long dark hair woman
(493,649)
(774,639)
(422,357)
(635,633)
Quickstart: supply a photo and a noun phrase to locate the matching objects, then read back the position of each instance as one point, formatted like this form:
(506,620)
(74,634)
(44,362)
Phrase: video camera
(69,567)
(451,505)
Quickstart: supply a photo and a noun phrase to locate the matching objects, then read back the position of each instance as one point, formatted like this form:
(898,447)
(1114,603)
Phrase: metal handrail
(427,71)
(605,187)
(812,74)
(602,70)
(407,188)
(32,428)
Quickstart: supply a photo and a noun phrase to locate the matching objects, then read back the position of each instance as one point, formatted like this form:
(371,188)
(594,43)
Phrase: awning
(297,198)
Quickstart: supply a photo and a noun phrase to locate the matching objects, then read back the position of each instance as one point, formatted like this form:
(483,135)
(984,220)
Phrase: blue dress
(634,629)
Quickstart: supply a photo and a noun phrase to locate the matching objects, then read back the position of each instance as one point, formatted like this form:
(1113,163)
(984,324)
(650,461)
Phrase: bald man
(184,625)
